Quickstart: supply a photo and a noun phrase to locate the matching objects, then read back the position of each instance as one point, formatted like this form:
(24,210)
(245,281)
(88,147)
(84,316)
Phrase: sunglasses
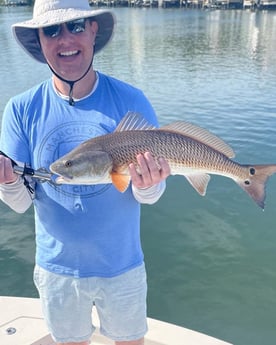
(74,27)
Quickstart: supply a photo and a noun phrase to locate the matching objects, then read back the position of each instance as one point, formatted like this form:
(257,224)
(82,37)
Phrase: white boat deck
(21,323)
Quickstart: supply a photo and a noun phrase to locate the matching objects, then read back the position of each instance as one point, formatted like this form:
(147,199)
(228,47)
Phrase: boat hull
(21,322)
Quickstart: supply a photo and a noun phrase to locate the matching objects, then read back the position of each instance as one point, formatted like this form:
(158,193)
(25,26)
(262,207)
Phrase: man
(88,237)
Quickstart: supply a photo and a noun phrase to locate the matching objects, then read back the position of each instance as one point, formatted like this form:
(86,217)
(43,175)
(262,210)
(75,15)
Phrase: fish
(190,150)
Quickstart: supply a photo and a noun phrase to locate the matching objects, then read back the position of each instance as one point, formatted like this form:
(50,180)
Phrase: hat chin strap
(71,82)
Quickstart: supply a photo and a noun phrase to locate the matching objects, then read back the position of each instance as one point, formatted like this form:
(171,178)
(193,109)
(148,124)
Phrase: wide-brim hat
(52,12)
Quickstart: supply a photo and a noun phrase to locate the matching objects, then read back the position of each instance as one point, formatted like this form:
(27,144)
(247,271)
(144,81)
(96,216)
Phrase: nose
(64,33)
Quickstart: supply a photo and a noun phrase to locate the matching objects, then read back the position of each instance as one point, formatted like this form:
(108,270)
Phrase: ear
(94,27)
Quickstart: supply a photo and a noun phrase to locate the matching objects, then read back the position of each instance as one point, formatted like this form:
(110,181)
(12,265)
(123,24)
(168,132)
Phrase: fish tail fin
(255,183)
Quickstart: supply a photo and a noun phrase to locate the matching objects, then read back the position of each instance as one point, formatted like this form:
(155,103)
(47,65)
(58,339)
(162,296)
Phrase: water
(211,261)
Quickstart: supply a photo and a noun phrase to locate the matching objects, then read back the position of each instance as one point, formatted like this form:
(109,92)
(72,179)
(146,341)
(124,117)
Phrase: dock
(201,4)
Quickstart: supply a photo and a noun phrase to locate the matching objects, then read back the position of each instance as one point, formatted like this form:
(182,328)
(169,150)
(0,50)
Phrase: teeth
(70,53)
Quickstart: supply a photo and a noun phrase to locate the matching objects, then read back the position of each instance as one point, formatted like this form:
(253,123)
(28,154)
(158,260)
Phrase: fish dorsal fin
(133,121)
(202,135)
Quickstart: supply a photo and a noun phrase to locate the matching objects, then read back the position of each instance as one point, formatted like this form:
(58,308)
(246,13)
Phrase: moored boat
(21,322)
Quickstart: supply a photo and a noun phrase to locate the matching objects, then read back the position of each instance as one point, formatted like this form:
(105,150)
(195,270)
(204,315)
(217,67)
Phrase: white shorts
(67,304)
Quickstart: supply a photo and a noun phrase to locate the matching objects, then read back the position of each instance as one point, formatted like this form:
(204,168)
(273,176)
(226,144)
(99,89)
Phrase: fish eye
(252,171)
(68,164)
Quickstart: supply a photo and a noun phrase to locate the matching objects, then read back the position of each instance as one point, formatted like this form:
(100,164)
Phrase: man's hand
(6,171)
(149,172)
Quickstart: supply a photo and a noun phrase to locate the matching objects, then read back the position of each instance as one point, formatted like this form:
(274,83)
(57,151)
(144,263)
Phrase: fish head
(89,167)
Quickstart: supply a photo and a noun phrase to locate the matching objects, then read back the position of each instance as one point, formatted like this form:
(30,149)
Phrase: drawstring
(71,101)
(72,82)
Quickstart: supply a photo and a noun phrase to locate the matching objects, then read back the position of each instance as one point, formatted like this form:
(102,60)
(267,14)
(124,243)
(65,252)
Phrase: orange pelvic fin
(121,182)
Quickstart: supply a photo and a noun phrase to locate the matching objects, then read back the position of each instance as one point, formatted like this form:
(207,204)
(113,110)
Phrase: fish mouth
(63,179)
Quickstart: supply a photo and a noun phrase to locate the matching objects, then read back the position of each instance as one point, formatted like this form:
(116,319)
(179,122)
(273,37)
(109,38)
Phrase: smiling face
(70,54)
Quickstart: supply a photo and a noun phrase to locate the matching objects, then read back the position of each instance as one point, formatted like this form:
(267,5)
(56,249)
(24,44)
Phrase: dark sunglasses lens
(51,31)
(76,26)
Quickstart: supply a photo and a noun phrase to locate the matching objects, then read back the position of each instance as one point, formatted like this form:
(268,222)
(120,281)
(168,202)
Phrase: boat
(21,323)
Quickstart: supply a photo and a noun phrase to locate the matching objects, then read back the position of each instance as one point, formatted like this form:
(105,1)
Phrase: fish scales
(191,151)
(180,151)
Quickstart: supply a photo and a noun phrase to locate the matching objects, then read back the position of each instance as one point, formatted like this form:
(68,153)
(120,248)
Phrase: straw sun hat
(52,12)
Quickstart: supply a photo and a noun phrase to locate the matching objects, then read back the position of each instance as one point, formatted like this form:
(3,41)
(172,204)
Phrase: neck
(81,88)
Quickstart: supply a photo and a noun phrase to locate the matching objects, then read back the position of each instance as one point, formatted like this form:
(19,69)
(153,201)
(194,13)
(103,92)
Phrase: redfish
(190,150)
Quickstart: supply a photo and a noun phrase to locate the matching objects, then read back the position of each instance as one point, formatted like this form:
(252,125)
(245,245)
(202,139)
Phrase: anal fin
(199,182)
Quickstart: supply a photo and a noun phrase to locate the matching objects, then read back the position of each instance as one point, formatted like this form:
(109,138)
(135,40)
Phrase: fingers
(6,171)
(150,173)
(165,168)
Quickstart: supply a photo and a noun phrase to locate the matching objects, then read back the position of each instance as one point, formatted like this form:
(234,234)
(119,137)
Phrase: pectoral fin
(199,182)
(121,182)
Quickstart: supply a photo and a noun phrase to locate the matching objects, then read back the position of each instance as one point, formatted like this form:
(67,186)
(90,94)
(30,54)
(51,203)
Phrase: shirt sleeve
(16,195)
(14,143)
(149,195)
